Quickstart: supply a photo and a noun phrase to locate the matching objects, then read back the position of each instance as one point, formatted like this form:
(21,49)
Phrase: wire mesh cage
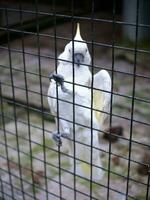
(32,165)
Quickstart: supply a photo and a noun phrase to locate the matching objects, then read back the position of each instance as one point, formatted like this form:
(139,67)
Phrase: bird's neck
(81,74)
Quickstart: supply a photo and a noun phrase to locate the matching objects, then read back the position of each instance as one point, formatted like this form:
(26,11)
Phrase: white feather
(102,96)
(82,76)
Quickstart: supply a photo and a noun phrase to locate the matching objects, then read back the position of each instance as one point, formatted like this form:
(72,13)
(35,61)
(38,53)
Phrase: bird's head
(77,50)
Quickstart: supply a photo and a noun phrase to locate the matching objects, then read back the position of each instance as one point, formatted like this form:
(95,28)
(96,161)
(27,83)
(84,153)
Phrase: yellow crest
(78,35)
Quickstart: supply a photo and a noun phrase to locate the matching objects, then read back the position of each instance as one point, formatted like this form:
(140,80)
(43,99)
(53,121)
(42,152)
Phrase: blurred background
(28,49)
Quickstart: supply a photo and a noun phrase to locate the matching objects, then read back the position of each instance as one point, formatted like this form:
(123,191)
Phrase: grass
(141,108)
(8,112)
(95,187)
(65,165)
(144,93)
(2,150)
(40,147)
(52,156)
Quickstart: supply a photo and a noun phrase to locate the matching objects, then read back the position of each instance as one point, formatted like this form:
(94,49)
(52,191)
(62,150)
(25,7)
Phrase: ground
(29,124)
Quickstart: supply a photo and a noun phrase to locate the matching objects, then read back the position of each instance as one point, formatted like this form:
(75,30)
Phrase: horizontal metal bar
(47,113)
(115,115)
(53,58)
(10,31)
(94,19)
(8,195)
(53,180)
(16,188)
(99,149)
(104,151)
(94,66)
(14,175)
(114,93)
(99,184)
(65,154)
(68,39)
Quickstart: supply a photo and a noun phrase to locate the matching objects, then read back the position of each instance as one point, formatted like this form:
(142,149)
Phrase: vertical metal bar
(14,106)
(73,82)
(111,101)
(41,92)
(133,95)
(57,94)
(27,100)
(92,81)
(5,140)
(1,183)
(148,186)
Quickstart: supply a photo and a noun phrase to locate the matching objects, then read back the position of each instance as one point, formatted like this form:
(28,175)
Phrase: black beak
(78,58)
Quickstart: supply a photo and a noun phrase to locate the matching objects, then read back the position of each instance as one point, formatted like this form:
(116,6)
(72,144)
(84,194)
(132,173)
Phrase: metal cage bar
(41,109)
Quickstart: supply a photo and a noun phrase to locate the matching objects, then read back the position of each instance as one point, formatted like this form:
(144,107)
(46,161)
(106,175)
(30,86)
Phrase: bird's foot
(66,132)
(57,139)
(58,78)
(65,135)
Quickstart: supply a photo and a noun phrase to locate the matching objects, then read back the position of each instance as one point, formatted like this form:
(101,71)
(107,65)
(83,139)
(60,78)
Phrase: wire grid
(29,107)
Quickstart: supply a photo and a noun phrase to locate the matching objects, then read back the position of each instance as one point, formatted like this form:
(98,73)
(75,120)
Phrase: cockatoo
(72,83)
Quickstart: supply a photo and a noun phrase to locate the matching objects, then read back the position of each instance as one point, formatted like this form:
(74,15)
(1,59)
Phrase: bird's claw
(60,81)
(57,139)
(58,78)
(65,135)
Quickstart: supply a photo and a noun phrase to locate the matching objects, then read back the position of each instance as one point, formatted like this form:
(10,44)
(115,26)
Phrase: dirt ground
(29,124)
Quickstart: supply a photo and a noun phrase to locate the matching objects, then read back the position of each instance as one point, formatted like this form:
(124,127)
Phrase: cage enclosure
(33,164)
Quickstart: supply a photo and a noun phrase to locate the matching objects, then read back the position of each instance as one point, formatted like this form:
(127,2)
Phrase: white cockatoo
(72,84)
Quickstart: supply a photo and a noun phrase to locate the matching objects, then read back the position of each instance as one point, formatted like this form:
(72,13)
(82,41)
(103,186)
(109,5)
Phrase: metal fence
(19,180)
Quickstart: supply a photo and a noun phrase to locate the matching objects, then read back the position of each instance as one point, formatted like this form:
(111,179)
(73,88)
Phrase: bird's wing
(101,99)
(51,96)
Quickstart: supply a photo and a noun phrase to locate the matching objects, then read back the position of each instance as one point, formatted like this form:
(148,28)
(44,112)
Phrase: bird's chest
(76,75)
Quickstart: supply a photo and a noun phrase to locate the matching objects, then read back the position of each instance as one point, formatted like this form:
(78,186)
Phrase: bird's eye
(86,50)
(69,51)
